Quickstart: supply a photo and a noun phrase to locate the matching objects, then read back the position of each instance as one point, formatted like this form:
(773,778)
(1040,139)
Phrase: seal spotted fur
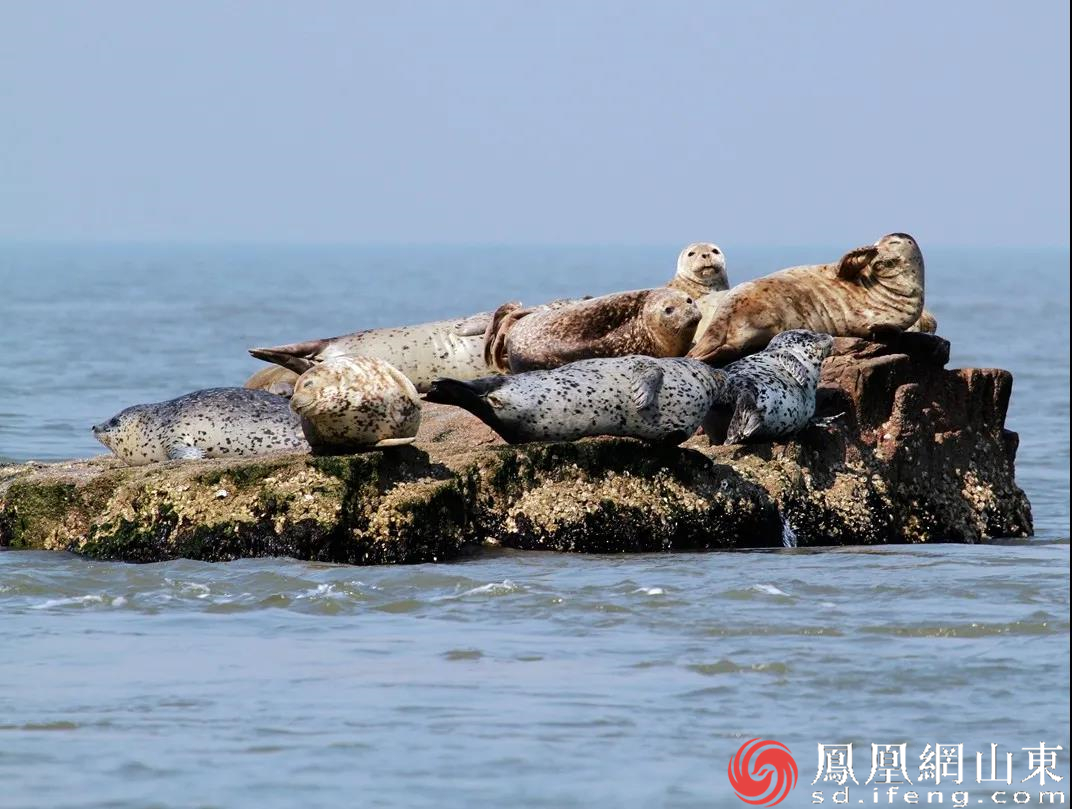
(660,400)
(422,352)
(211,423)
(770,394)
(870,290)
(655,322)
(348,403)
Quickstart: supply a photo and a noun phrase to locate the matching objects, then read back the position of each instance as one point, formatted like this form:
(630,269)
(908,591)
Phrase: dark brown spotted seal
(653,322)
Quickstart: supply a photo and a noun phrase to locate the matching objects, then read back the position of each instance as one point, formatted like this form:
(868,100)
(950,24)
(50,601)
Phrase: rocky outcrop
(904,451)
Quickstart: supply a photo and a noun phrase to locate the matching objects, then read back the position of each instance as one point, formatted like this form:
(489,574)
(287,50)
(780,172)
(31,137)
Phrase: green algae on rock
(906,451)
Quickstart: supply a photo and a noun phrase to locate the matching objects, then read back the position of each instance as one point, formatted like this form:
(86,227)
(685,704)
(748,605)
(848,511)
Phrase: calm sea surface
(508,679)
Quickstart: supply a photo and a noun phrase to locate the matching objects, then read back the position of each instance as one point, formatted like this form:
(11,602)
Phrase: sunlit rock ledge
(908,452)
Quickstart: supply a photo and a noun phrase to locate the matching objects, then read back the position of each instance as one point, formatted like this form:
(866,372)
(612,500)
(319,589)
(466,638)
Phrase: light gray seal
(658,400)
(770,394)
(211,423)
(422,352)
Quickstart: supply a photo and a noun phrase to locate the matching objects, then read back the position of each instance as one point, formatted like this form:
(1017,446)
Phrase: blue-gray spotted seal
(770,394)
(212,423)
(868,291)
(659,400)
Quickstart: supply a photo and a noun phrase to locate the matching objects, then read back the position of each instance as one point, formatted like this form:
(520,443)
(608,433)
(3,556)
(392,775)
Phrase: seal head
(701,269)
(349,403)
(670,317)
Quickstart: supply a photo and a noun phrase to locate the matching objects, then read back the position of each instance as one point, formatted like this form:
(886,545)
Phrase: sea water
(527,679)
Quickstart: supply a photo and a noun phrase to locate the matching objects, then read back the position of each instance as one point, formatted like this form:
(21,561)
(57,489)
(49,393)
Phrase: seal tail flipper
(471,396)
(474,325)
(395,442)
(298,357)
(746,420)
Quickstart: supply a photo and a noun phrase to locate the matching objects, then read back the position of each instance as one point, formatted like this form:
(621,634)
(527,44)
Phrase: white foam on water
(319,590)
(69,602)
(650,591)
(769,589)
(491,588)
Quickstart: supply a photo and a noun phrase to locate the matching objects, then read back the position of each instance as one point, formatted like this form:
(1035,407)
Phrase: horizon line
(342,243)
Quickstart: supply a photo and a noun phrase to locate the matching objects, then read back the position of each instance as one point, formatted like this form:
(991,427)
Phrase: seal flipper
(472,396)
(746,421)
(298,357)
(646,385)
(502,320)
(183,452)
(473,326)
(855,262)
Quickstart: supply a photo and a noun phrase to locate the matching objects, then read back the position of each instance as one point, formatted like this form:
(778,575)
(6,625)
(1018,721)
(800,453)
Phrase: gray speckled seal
(212,423)
(661,400)
(770,394)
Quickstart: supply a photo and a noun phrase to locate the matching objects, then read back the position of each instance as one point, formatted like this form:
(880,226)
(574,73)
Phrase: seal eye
(669,310)
(692,253)
(308,383)
(688,300)
(715,251)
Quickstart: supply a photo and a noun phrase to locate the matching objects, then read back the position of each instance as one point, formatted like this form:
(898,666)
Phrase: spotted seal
(212,423)
(870,290)
(349,403)
(421,352)
(701,274)
(770,394)
(654,322)
(659,400)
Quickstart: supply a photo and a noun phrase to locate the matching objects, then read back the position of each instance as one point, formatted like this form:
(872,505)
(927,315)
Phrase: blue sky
(535,122)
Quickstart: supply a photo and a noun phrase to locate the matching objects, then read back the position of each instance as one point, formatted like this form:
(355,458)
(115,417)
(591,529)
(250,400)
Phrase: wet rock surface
(904,451)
